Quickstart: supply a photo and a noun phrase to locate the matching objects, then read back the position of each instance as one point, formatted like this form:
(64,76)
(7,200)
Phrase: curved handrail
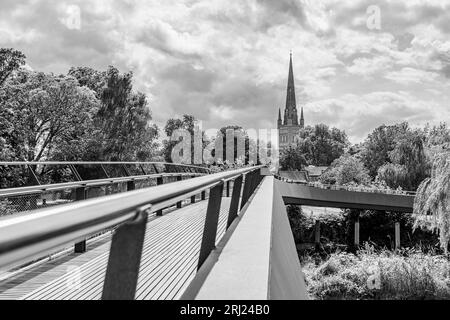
(19,191)
(33,163)
(27,236)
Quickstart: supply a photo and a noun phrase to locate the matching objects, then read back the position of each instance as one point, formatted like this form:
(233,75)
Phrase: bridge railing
(28,186)
(346,188)
(26,237)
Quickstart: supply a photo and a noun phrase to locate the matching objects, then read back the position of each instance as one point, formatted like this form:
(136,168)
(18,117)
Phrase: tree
(432,202)
(292,159)
(321,145)
(397,155)
(437,139)
(409,157)
(44,110)
(10,60)
(91,78)
(346,170)
(122,129)
(379,144)
(188,122)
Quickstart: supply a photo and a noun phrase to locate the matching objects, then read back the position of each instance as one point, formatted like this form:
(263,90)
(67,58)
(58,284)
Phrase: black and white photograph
(225,154)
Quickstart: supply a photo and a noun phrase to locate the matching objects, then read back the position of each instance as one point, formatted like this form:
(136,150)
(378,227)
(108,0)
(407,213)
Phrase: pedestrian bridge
(189,234)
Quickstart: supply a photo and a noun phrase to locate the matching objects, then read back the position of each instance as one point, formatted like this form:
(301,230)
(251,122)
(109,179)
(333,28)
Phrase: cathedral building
(289,125)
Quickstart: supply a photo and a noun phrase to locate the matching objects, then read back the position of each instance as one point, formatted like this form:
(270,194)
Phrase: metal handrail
(27,236)
(33,163)
(85,183)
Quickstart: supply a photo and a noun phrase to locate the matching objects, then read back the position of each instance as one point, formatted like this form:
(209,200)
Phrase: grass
(371,274)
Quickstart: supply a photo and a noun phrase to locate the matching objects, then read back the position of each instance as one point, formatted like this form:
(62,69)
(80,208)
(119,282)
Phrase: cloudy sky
(226,62)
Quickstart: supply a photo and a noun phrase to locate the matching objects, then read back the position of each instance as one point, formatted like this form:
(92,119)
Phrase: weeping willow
(432,202)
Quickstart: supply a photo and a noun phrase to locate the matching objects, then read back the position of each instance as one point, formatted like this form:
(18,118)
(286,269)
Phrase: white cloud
(410,75)
(227,62)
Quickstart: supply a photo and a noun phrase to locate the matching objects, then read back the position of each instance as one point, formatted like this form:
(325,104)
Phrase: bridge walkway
(169,262)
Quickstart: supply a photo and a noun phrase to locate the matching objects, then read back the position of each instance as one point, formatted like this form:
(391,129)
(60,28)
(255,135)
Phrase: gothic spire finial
(290,96)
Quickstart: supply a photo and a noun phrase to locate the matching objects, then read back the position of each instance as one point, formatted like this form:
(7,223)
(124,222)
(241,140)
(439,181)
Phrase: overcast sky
(226,62)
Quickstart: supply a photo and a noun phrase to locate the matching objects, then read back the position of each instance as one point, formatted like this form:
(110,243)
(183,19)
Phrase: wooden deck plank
(168,263)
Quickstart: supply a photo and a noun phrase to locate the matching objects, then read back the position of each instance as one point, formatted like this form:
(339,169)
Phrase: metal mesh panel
(90,172)
(14,204)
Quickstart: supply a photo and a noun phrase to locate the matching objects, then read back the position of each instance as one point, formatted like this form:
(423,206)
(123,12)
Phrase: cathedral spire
(290,96)
(302,120)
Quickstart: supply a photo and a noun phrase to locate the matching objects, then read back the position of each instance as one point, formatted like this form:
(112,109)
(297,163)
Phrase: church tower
(290,126)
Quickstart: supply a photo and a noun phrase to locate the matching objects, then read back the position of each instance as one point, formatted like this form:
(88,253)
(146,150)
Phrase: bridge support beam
(131,185)
(159,181)
(125,259)
(179,204)
(80,194)
(234,205)
(211,221)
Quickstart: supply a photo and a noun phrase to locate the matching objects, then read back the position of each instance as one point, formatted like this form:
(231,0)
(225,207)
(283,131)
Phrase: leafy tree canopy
(321,145)
(10,60)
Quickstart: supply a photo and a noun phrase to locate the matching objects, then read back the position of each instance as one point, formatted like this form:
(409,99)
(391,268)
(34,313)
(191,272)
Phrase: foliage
(432,202)
(87,115)
(91,78)
(10,60)
(321,145)
(302,225)
(396,154)
(379,144)
(292,159)
(42,110)
(346,170)
(123,119)
(437,140)
(378,275)
(6,208)
(376,227)
(188,123)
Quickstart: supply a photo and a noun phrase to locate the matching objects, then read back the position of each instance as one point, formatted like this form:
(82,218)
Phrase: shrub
(378,275)
(6,208)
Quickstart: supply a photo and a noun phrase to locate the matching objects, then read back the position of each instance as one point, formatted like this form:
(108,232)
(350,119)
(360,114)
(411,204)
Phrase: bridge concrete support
(397,235)
(257,258)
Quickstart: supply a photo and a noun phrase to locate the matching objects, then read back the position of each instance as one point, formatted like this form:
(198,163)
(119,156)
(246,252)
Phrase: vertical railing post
(228,189)
(131,185)
(235,197)
(193,199)
(247,192)
(203,195)
(179,204)
(125,259)
(211,221)
(159,181)
(80,194)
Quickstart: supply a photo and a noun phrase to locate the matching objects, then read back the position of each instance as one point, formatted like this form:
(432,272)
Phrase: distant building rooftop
(315,171)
